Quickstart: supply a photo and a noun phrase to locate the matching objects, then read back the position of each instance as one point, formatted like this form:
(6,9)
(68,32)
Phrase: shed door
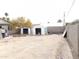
(38,31)
(25,31)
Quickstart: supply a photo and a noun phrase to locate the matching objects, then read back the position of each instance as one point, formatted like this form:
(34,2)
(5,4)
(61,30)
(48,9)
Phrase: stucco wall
(73,38)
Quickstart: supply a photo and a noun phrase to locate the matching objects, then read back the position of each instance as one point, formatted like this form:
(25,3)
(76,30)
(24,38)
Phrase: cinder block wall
(73,39)
(55,30)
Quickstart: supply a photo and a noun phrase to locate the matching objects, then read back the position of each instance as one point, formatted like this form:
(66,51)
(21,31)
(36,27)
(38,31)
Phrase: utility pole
(64,20)
(65,15)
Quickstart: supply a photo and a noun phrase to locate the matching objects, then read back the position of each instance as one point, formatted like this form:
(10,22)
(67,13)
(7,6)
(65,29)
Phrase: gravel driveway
(35,47)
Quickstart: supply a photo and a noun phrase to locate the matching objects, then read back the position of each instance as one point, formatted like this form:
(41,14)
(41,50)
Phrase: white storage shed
(38,29)
(25,30)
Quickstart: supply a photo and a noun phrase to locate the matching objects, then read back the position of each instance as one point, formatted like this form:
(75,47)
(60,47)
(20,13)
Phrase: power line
(73,2)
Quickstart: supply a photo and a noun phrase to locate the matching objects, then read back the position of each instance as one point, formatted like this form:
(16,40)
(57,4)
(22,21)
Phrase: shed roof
(35,24)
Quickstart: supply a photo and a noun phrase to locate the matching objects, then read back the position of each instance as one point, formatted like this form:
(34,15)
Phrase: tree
(3,18)
(20,22)
(75,22)
(6,14)
(13,24)
(59,21)
(28,23)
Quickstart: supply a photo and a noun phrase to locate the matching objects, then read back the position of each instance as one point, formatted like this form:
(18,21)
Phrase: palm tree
(59,21)
(6,14)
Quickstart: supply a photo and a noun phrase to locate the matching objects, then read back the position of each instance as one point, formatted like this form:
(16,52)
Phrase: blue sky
(40,11)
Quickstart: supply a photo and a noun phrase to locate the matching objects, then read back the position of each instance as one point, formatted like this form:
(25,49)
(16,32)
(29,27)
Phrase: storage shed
(25,30)
(38,29)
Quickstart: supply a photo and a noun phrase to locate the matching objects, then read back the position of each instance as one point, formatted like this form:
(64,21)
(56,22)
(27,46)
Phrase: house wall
(4,24)
(5,27)
(73,39)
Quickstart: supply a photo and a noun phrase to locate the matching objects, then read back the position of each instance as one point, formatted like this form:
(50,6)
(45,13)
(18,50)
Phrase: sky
(41,11)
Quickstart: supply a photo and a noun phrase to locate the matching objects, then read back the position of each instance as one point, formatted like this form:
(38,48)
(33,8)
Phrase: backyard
(35,47)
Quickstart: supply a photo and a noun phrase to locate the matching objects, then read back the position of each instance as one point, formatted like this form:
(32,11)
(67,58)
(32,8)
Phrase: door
(25,31)
(38,31)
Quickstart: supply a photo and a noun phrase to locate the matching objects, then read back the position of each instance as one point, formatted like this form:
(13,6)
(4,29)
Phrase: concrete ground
(35,47)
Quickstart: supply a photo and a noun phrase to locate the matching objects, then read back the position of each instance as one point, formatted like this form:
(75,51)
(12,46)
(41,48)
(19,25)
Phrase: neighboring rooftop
(3,21)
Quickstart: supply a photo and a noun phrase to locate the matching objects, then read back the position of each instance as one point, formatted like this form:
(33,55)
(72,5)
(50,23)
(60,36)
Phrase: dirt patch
(35,47)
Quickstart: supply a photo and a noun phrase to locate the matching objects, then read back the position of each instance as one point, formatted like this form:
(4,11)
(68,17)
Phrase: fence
(73,39)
